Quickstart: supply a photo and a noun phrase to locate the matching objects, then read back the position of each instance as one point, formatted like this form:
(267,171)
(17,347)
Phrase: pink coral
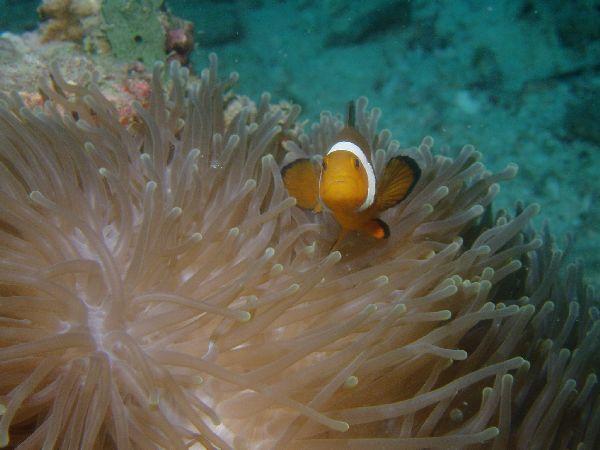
(180,42)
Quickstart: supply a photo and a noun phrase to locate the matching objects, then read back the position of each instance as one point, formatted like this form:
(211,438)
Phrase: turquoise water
(520,80)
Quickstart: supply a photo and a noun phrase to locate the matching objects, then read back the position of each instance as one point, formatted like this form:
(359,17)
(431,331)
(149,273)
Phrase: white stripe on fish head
(360,154)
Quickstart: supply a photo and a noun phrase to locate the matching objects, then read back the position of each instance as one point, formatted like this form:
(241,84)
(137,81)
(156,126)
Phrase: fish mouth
(343,183)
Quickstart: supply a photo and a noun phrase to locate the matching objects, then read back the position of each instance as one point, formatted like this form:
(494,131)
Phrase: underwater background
(159,288)
(518,79)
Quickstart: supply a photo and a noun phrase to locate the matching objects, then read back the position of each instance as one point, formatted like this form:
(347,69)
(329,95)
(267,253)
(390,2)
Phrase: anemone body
(159,289)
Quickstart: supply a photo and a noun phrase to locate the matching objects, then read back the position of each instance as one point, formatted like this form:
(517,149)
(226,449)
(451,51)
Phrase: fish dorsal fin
(399,177)
(350,134)
(301,179)
(351,140)
(351,118)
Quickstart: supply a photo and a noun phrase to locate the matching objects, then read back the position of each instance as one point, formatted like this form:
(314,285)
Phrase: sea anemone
(159,289)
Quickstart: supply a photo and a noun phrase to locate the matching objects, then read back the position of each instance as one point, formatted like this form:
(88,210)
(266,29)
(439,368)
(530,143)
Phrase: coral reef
(130,30)
(25,61)
(159,289)
(65,20)
(180,40)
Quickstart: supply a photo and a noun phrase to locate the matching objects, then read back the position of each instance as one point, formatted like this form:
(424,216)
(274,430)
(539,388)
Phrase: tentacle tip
(455,245)
(382,280)
(351,382)
(399,308)
(153,401)
(456,415)
(512,169)
(508,377)
(493,432)
(252,301)
(250,184)
(478,209)
(485,285)
(335,255)
(484,250)
(427,208)
(536,243)
(427,141)
(527,309)
(36,196)
(522,362)
(487,391)
(177,211)
(244,316)
(174,67)
(341,426)
(276,269)
(535,209)
(369,309)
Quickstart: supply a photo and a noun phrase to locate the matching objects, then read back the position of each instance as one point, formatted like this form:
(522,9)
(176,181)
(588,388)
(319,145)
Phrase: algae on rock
(134,29)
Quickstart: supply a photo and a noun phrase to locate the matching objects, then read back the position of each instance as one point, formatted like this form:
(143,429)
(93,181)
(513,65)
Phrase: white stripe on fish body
(360,154)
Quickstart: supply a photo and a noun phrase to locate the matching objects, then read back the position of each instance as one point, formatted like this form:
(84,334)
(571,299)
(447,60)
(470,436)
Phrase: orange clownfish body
(345,183)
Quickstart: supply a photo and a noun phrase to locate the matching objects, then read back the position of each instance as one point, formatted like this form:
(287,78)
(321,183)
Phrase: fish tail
(377,228)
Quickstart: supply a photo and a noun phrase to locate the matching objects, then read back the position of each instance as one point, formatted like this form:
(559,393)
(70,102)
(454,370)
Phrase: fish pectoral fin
(301,179)
(397,181)
(377,228)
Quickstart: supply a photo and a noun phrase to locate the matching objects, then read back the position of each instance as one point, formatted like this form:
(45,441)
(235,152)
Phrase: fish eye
(324,165)
(356,164)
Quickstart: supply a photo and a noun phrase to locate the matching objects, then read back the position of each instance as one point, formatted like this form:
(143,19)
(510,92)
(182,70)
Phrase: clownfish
(345,183)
